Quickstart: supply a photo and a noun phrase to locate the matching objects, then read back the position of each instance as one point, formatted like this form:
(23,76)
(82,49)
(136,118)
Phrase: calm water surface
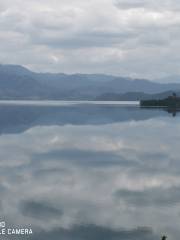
(90,171)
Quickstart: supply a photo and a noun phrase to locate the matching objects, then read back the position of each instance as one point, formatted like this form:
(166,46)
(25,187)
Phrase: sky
(136,38)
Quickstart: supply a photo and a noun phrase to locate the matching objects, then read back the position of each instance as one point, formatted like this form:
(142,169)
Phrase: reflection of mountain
(14,119)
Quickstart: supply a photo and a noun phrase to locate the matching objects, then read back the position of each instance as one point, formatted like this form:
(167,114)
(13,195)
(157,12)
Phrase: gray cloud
(128,4)
(136,38)
(156,5)
(84,39)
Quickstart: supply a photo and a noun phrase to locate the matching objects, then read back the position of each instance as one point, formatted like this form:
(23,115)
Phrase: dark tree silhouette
(174,95)
(163,237)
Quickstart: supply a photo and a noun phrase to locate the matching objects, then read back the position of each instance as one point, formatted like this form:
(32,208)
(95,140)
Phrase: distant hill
(171,78)
(17,82)
(133,96)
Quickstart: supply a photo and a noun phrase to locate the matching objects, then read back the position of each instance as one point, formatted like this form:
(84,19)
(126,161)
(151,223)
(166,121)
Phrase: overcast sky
(139,38)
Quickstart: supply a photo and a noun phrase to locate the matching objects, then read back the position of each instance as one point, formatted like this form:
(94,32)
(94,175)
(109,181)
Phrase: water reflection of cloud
(93,232)
(150,197)
(39,210)
(85,158)
(114,176)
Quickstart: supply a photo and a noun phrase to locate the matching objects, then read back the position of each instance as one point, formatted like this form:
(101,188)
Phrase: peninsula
(171,102)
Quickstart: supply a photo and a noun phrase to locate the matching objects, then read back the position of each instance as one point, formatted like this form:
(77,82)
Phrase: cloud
(156,5)
(117,36)
(82,39)
(123,4)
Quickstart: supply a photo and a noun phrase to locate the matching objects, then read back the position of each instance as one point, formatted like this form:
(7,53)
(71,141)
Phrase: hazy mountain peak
(14,69)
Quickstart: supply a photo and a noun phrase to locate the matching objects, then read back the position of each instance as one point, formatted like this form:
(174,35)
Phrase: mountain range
(18,82)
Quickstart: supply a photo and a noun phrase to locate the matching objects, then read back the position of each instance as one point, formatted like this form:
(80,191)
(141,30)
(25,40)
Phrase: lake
(82,171)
